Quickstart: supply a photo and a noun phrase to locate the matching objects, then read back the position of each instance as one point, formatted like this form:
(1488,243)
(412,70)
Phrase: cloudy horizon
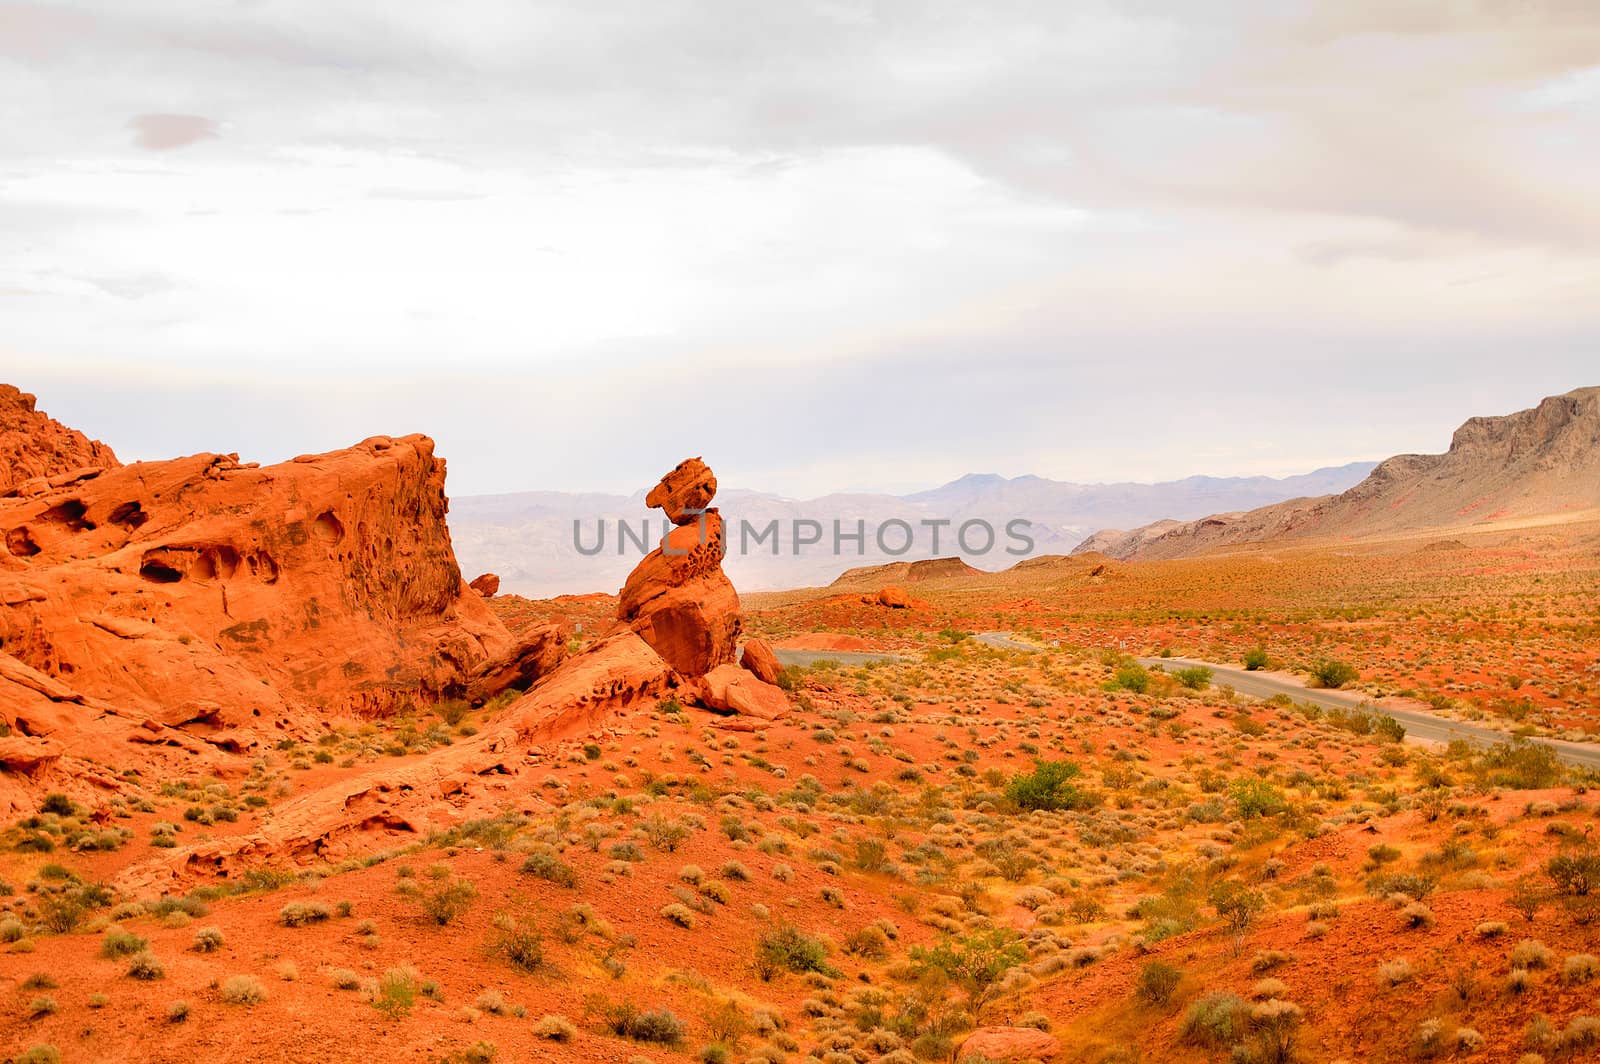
(831,246)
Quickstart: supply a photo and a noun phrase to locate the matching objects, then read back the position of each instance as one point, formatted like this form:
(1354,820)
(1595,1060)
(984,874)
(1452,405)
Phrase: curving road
(1420,725)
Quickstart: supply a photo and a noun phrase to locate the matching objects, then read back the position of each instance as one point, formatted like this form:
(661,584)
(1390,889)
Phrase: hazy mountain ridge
(1539,461)
(528,537)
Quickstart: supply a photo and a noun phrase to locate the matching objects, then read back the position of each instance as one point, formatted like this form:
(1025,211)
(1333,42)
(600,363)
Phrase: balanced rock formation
(487,585)
(208,592)
(676,634)
(677,598)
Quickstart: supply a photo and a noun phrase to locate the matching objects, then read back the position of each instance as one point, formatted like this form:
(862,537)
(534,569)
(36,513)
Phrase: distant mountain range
(1543,462)
(527,538)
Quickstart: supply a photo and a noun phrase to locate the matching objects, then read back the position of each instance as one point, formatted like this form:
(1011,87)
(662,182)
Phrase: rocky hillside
(1542,461)
(34,446)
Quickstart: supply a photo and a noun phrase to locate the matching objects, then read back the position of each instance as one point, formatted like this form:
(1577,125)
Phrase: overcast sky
(828,245)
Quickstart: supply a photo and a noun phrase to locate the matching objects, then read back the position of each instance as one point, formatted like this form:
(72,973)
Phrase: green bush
(301,913)
(788,949)
(1131,677)
(660,1026)
(1330,673)
(1255,659)
(975,962)
(1218,1019)
(1256,798)
(548,866)
(449,901)
(1195,677)
(1049,786)
(1157,982)
(397,993)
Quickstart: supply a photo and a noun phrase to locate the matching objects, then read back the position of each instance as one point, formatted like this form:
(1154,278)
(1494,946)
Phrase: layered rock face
(203,590)
(34,448)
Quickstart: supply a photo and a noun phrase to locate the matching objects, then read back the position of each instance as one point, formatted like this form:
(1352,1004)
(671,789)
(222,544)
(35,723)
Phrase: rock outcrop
(759,658)
(241,601)
(1540,462)
(1009,1044)
(684,493)
(675,635)
(36,449)
(678,599)
(487,585)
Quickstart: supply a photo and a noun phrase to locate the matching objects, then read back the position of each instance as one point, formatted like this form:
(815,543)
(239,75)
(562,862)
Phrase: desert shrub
(1236,903)
(1131,677)
(1574,874)
(1256,798)
(664,834)
(1417,915)
(448,901)
(660,1026)
(678,914)
(549,867)
(61,913)
(243,990)
(120,943)
(178,1011)
(1330,673)
(1195,677)
(788,949)
(1580,968)
(555,1029)
(1521,765)
(396,993)
(519,943)
(1269,959)
(1255,659)
(344,979)
(1049,786)
(146,966)
(975,962)
(301,913)
(1218,1019)
(207,940)
(1273,1024)
(1394,972)
(869,942)
(1157,982)
(40,1054)
(1531,953)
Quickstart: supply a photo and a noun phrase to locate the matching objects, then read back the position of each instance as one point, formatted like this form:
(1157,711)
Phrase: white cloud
(852,245)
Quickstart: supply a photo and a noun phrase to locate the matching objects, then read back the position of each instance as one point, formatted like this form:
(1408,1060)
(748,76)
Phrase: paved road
(1420,726)
(1003,641)
(804,658)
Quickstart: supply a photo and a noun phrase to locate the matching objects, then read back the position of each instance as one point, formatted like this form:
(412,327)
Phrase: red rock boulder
(730,689)
(487,585)
(759,658)
(1009,1043)
(688,488)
